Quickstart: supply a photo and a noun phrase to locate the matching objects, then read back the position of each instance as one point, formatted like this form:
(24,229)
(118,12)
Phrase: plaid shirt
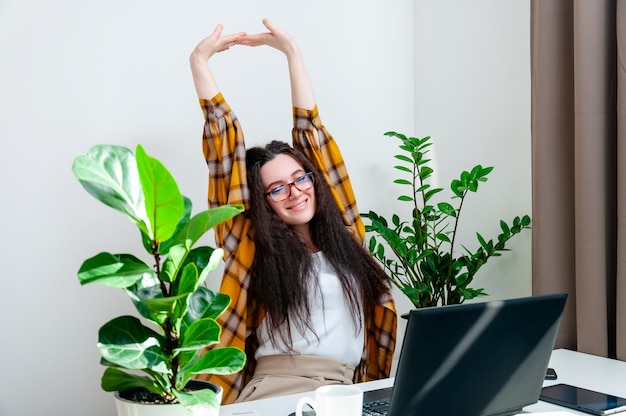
(224,150)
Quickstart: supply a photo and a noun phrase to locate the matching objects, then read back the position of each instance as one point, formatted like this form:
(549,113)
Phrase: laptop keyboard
(376,408)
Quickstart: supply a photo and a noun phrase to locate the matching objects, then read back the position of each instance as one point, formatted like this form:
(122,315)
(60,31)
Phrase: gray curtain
(578,74)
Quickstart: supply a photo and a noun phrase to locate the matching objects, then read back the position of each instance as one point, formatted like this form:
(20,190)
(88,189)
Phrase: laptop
(473,359)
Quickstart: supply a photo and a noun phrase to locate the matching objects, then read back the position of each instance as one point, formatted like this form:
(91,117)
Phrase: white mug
(334,400)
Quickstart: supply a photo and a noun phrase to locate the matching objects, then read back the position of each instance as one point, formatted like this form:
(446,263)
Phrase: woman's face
(299,206)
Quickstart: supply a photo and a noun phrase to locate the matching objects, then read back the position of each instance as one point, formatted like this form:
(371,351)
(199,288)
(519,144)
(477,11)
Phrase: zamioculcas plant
(423,263)
(179,313)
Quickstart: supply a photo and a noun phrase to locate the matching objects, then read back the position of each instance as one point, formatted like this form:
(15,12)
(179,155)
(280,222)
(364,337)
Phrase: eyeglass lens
(282,192)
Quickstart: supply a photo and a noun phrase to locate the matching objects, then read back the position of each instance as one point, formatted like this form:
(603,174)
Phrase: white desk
(578,369)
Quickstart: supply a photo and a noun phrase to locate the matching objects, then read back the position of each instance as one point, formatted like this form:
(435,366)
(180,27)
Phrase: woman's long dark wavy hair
(283,271)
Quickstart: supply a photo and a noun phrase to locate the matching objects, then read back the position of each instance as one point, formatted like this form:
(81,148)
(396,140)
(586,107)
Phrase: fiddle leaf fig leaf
(126,342)
(109,173)
(163,201)
(204,303)
(214,260)
(226,360)
(188,279)
(174,262)
(163,308)
(164,246)
(114,270)
(200,334)
(115,379)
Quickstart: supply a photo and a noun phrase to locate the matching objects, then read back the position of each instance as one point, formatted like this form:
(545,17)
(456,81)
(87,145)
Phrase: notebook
(474,359)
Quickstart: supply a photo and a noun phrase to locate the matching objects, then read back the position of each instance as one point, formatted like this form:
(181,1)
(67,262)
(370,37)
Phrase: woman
(309,304)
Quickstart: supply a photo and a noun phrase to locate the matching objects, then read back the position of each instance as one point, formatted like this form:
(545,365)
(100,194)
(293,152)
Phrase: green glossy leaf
(432,192)
(505,228)
(484,172)
(442,237)
(115,270)
(447,209)
(425,172)
(215,259)
(372,244)
(125,342)
(403,169)
(164,246)
(200,334)
(205,258)
(163,200)
(204,303)
(404,158)
(226,360)
(403,182)
(188,280)
(143,290)
(395,134)
(457,188)
(115,379)
(174,262)
(109,173)
(163,308)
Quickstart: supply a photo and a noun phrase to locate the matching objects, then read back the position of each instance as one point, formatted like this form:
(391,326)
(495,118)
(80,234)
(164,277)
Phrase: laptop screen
(486,358)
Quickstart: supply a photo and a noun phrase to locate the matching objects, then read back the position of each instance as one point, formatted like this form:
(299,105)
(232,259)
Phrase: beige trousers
(278,375)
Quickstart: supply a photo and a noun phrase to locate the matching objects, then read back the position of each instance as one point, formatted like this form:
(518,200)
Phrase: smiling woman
(310,304)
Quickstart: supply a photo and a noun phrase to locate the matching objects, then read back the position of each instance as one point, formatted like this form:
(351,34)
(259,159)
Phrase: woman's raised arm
(203,79)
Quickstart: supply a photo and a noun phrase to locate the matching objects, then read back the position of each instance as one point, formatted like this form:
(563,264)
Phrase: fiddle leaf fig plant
(418,253)
(171,340)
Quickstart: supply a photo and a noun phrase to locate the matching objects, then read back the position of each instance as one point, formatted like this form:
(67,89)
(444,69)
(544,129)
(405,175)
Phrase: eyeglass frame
(308,175)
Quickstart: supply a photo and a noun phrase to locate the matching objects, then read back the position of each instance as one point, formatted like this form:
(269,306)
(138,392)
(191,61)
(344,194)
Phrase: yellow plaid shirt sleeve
(224,151)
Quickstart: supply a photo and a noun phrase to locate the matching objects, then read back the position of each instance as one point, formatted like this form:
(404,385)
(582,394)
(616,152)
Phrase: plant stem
(168,329)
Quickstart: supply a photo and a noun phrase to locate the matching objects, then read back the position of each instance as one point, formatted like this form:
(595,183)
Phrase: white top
(335,335)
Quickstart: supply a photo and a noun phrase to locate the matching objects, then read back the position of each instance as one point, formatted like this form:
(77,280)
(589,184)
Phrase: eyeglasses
(282,192)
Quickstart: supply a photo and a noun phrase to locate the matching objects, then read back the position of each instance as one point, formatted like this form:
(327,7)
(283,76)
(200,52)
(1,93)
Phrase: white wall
(75,73)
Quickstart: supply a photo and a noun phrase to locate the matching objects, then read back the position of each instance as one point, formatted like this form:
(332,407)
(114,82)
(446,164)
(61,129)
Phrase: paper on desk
(243,413)
(559,413)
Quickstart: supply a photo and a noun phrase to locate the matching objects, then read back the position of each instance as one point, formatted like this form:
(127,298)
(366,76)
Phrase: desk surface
(578,369)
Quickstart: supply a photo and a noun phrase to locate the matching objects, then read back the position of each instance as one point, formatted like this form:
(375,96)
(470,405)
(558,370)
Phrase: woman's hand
(302,95)
(215,43)
(275,38)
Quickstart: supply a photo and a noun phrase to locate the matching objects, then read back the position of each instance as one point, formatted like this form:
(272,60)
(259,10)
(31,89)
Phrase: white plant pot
(130,408)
